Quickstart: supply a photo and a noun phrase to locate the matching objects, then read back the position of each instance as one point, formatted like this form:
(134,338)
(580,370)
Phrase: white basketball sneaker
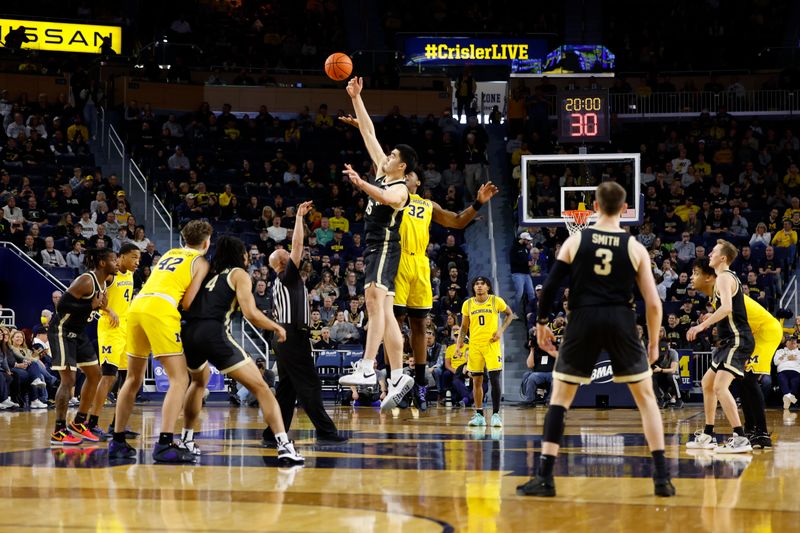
(735,444)
(701,441)
(396,392)
(363,374)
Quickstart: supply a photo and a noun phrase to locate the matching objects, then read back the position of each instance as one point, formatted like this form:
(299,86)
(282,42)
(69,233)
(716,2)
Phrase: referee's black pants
(298,380)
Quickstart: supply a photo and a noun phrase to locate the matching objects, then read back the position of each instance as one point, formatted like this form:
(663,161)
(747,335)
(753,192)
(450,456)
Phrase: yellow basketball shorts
(767,341)
(486,356)
(154,326)
(412,285)
(112,343)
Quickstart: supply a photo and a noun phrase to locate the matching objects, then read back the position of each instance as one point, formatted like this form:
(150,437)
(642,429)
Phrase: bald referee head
(278,260)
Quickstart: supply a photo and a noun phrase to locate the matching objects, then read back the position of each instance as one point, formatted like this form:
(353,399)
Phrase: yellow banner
(61,36)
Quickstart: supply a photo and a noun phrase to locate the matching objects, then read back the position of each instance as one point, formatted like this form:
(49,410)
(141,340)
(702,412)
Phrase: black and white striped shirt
(290,298)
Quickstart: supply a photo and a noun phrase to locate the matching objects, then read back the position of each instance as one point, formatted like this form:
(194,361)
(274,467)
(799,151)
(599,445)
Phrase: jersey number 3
(604,267)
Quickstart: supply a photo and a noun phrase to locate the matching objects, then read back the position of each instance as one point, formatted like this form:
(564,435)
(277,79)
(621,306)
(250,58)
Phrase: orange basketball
(338,66)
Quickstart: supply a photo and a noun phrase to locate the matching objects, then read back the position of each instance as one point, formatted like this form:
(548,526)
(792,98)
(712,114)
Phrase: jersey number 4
(603,268)
(170,263)
(211,283)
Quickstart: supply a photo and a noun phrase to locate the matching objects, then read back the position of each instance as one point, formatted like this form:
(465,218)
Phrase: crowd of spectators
(55,203)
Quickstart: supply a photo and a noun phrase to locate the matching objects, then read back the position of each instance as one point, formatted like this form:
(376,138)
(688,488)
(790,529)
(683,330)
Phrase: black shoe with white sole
(288,456)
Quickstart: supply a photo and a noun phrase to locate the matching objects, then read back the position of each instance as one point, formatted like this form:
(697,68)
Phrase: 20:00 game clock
(583,116)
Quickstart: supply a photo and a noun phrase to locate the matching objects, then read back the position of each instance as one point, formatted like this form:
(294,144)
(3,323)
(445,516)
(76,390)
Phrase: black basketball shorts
(733,355)
(210,341)
(381,262)
(71,350)
(591,330)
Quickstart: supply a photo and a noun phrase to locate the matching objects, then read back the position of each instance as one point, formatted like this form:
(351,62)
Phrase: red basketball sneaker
(62,437)
(82,431)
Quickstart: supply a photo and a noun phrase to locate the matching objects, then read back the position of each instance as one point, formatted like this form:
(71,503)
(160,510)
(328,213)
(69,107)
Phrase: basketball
(338,66)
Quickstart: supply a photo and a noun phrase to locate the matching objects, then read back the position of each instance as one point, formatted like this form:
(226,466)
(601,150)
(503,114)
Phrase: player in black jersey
(207,338)
(603,263)
(736,347)
(71,348)
(387,199)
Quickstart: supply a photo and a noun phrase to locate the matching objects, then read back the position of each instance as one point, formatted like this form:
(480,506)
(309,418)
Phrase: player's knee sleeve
(494,379)
(108,369)
(554,424)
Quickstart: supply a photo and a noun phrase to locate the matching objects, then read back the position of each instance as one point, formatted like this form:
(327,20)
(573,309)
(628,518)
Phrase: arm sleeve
(69,304)
(560,271)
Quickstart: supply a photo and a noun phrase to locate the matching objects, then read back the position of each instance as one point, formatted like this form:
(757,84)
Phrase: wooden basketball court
(404,473)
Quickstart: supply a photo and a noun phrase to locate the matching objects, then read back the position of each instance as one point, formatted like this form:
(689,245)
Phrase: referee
(297,374)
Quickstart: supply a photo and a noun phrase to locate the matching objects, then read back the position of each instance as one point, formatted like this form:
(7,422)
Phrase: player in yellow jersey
(481,317)
(112,329)
(413,293)
(154,326)
(768,334)
(413,296)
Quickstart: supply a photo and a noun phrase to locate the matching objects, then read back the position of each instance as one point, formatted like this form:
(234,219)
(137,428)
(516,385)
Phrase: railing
(115,150)
(8,318)
(34,265)
(150,211)
(254,339)
(789,296)
(693,103)
(702,362)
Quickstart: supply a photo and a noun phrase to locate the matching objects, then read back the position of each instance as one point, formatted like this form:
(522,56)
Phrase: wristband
(476,205)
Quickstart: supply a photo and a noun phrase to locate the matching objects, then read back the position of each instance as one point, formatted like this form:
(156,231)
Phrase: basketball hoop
(577,219)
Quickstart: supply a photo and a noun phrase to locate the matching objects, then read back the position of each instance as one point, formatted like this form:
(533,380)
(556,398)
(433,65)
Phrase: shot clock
(583,116)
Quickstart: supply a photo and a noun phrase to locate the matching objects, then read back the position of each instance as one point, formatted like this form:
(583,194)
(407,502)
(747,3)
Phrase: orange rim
(579,216)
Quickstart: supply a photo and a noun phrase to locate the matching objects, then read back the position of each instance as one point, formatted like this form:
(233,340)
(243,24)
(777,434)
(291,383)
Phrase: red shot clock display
(583,116)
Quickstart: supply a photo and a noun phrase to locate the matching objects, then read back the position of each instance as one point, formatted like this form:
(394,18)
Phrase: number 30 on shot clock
(583,116)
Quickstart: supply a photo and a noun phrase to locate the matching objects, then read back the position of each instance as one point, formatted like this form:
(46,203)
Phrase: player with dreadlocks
(71,348)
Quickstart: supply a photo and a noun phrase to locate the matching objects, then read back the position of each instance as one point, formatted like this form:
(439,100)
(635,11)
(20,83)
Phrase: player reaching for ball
(388,197)
(414,295)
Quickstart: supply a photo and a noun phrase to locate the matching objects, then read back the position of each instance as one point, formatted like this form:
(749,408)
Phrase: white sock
(281,438)
(396,374)
(187,434)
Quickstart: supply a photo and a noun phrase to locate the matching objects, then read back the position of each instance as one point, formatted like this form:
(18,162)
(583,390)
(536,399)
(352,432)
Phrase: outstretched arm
(298,233)
(450,219)
(365,126)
